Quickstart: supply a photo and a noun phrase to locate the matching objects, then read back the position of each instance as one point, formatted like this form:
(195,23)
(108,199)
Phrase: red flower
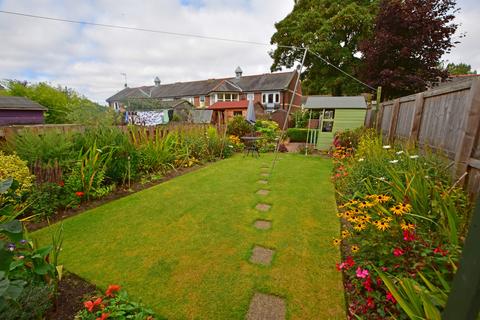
(104,316)
(111,289)
(61,183)
(440,251)
(408,236)
(349,263)
(391,298)
(92,304)
(398,252)
(79,194)
(368,284)
(370,303)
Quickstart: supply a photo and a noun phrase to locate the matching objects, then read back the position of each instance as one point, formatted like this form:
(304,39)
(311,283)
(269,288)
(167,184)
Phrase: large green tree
(332,29)
(460,68)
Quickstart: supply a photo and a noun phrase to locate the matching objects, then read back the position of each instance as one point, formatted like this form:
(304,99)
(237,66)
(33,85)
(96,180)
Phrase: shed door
(327,117)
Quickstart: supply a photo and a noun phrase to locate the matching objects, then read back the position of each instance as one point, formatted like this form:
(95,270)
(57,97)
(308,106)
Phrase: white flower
(387,147)
(415,156)
(427,177)
(399,152)
(361,159)
(382,178)
(393,161)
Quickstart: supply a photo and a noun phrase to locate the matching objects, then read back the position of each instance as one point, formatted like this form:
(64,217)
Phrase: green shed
(336,113)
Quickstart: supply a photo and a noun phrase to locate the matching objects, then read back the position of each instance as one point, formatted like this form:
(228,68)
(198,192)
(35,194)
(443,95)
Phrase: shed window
(237,113)
(327,118)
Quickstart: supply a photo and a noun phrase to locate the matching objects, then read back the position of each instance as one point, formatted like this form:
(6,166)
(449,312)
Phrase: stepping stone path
(263,224)
(264,174)
(266,307)
(262,255)
(263,207)
(263,181)
(263,192)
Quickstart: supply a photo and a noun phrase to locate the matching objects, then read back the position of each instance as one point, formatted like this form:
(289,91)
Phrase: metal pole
(308,131)
(288,111)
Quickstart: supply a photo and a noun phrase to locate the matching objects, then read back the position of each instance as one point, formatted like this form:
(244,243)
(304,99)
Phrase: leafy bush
(114,304)
(348,138)
(239,127)
(15,168)
(46,198)
(32,303)
(297,135)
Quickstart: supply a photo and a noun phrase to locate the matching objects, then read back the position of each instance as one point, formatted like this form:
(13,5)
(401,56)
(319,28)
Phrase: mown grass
(182,247)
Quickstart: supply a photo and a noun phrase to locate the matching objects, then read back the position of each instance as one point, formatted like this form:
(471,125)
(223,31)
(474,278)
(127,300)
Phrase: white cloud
(90,59)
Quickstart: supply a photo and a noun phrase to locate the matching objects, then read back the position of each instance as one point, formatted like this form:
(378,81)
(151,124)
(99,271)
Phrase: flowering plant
(114,304)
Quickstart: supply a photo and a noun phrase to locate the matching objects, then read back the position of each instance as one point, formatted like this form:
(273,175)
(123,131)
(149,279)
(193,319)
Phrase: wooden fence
(445,119)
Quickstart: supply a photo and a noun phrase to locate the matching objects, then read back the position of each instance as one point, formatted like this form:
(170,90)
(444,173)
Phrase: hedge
(297,134)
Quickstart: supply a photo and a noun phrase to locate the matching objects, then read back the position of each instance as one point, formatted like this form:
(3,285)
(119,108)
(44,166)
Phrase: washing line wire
(114,26)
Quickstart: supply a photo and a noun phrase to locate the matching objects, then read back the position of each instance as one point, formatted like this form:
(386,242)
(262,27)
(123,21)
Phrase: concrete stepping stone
(262,255)
(263,207)
(264,174)
(263,181)
(262,224)
(263,192)
(266,307)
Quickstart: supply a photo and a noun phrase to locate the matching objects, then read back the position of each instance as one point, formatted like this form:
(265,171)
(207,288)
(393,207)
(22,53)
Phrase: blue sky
(90,59)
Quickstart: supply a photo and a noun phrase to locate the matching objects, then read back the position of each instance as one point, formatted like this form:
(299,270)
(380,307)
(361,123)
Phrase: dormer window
(271,97)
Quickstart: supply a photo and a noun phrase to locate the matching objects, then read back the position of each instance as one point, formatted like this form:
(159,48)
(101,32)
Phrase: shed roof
(327,102)
(223,105)
(19,103)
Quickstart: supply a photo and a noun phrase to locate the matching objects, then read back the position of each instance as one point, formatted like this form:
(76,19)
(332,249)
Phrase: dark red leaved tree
(409,39)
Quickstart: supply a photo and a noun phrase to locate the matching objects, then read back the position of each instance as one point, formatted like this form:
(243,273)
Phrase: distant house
(20,110)
(271,91)
(335,114)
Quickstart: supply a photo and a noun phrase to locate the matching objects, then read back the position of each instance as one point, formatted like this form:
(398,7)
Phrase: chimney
(238,72)
(125,85)
(157,81)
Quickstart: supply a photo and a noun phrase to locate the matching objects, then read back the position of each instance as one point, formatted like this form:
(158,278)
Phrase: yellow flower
(336,242)
(356,211)
(381,198)
(387,219)
(354,248)
(345,234)
(398,210)
(347,214)
(406,207)
(367,218)
(360,226)
(382,225)
(340,214)
(366,204)
(372,196)
(407,226)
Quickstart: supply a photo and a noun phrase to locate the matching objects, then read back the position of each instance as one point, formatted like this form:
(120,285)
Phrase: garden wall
(446,119)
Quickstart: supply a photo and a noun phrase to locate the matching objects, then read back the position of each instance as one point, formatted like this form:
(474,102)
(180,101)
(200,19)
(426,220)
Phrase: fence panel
(445,119)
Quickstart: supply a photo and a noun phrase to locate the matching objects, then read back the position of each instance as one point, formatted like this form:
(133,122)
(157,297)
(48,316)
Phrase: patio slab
(262,224)
(262,255)
(263,207)
(266,307)
(263,181)
(263,192)
(264,174)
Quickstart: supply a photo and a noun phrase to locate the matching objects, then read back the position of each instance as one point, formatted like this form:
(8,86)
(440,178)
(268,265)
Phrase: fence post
(463,300)
(469,133)
(417,118)
(393,121)
(379,117)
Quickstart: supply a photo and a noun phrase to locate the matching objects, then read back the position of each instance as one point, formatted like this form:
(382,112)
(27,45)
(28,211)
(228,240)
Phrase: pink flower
(408,236)
(398,252)
(362,273)
(440,251)
(391,298)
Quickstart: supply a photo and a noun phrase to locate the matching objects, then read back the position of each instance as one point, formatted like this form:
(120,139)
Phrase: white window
(227,97)
(116,106)
(271,97)
(202,98)
(250,96)
(167,99)
(189,99)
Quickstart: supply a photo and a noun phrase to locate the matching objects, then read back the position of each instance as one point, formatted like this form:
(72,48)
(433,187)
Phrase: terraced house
(270,92)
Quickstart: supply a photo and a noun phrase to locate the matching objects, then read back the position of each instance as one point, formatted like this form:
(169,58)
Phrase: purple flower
(23,241)
(11,246)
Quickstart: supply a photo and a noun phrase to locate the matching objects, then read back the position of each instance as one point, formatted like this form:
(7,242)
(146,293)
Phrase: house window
(327,117)
(189,99)
(116,106)
(202,98)
(227,97)
(250,96)
(271,97)
(237,113)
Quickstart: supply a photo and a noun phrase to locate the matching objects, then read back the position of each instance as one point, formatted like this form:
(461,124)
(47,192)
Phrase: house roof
(19,103)
(223,105)
(327,102)
(138,104)
(261,82)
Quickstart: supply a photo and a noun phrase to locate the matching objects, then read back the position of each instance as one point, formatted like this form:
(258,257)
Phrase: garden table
(251,145)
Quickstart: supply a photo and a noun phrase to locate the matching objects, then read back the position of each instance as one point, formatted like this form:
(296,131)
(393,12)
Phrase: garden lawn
(183,247)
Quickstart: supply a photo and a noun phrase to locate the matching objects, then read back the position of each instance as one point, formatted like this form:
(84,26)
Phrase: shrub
(348,138)
(114,304)
(15,168)
(46,198)
(269,130)
(239,127)
(297,135)
(33,302)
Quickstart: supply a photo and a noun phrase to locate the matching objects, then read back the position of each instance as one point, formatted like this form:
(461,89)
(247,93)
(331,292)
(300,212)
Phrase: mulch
(72,291)
(117,194)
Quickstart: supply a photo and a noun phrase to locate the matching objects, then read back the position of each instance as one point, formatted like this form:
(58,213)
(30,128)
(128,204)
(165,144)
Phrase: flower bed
(403,222)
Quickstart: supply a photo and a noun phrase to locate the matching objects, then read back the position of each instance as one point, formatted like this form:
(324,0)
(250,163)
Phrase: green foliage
(297,134)
(46,198)
(460,68)
(15,168)
(239,127)
(269,130)
(32,303)
(64,105)
(348,138)
(333,29)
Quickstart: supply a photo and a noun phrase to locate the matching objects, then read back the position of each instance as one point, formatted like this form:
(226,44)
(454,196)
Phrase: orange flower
(92,304)
(79,194)
(111,289)
(104,316)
